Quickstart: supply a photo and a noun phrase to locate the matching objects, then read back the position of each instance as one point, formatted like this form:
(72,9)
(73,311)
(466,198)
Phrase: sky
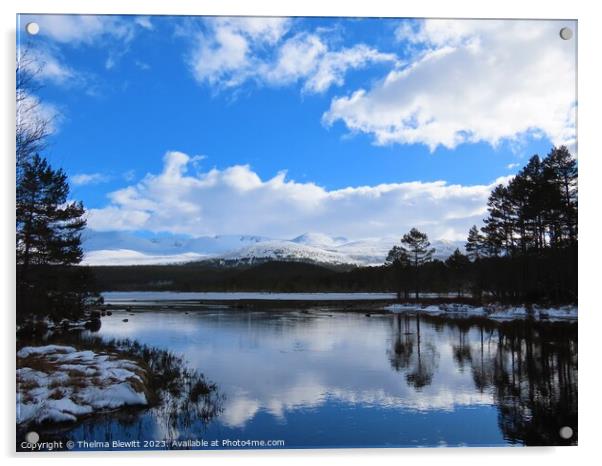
(279,126)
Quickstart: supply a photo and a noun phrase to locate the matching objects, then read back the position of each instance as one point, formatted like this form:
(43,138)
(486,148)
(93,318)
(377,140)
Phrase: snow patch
(65,383)
(495,311)
(37,350)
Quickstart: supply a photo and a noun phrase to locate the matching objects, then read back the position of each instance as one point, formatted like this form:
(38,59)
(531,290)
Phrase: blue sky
(338,104)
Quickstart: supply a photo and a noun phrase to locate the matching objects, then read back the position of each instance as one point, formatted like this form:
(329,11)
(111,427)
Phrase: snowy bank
(59,383)
(493,311)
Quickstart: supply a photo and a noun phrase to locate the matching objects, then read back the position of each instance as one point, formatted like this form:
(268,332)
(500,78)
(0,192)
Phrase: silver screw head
(566,33)
(566,432)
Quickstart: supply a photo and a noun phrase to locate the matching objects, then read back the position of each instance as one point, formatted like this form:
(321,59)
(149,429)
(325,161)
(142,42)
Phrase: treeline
(526,250)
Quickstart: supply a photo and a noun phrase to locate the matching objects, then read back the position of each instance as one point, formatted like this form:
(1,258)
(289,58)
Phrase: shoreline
(458,307)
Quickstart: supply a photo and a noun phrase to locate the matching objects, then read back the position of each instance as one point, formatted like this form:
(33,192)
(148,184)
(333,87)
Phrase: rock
(93,325)
(109,313)
(125,320)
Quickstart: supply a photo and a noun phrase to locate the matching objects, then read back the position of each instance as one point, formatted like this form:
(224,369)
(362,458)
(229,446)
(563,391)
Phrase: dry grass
(37,363)
(56,394)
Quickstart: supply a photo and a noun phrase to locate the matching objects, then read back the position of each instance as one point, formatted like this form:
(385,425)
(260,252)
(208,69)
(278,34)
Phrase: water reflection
(411,353)
(320,379)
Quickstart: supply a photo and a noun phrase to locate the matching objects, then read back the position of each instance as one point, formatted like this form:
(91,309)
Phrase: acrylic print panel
(246,232)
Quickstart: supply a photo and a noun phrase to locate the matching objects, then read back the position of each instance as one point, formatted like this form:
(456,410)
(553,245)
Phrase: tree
(530,233)
(560,173)
(399,261)
(48,242)
(417,247)
(32,125)
(48,227)
(458,265)
(475,247)
(498,226)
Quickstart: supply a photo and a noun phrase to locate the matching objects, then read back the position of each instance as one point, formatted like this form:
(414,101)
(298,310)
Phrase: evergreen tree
(530,233)
(458,265)
(475,247)
(399,261)
(48,227)
(560,172)
(417,247)
(48,243)
(498,225)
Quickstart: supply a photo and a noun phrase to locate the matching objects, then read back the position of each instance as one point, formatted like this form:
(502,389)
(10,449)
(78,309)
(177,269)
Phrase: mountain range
(122,248)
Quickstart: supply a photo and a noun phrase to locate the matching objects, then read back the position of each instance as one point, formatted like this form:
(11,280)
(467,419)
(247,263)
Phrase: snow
(36,350)
(288,250)
(495,312)
(129,257)
(120,248)
(73,383)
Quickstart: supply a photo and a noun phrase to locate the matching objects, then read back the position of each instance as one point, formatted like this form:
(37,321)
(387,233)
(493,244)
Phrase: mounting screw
(566,33)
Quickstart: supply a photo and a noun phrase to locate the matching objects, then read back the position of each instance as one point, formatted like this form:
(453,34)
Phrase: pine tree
(498,225)
(560,172)
(399,261)
(458,265)
(417,247)
(530,233)
(48,242)
(475,247)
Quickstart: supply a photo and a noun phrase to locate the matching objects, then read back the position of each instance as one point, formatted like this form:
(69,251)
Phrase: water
(334,379)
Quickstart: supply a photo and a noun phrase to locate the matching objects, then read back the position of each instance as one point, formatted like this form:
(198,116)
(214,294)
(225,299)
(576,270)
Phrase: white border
(590,153)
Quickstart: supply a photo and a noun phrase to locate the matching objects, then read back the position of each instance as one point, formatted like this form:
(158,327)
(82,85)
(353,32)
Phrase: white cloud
(235,50)
(145,22)
(82,179)
(470,81)
(33,114)
(113,32)
(44,65)
(307,57)
(236,200)
(85,29)
(224,53)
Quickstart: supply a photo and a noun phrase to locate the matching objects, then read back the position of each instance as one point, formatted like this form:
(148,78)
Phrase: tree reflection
(400,355)
(529,367)
(410,353)
(536,382)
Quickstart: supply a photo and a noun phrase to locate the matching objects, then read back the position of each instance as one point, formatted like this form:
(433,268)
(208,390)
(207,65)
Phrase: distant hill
(119,248)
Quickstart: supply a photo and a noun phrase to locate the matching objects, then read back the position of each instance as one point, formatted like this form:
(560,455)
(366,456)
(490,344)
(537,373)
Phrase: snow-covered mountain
(118,248)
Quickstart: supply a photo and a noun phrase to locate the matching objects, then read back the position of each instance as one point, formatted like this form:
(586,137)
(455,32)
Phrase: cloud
(89,178)
(224,53)
(232,51)
(236,200)
(33,114)
(307,57)
(115,33)
(470,81)
(44,65)
(85,29)
(145,22)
